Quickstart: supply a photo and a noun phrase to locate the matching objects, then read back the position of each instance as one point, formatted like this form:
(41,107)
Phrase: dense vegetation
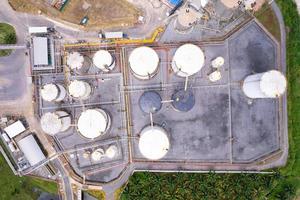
(282,185)
(24,188)
(7,36)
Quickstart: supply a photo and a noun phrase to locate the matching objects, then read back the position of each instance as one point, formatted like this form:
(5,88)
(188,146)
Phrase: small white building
(40,51)
(15,129)
(31,150)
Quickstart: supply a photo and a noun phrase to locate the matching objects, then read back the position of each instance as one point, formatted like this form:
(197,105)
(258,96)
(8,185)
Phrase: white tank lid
(92,123)
(51,123)
(143,61)
(111,151)
(215,76)
(77,88)
(189,59)
(97,154)
(154,143)
(49,92)
(273,83)
(75,60)
(102,58)
(218,62)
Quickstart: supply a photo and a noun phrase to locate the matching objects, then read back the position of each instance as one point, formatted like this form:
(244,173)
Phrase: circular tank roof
(143,61)
(51,123)
(111,151)
(150,102)
(218,62)
(102,59)
(49,92)
(183,101)
(188,60)
(273,83)
(77,89)
(92,123)
(154,143)
(75,60)
(97,154)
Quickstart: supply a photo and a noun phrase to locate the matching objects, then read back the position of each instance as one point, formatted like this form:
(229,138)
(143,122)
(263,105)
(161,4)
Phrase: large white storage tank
(53,92)
(154,142)
(93,123)
(188,60)
(78,63)
(104,61)
(55,122)
(80,89)
(143,62)
(271,84)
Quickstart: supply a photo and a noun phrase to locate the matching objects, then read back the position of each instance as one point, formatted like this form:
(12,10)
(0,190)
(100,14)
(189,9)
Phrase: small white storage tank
(93,123)
(271,84)
(53,92)
(80,89)
(97,154)
(143,62)
(78,63)
(215,76)
(55,122)
(111,151)
(104,61)
(218,62)
(188,60)
(154,142)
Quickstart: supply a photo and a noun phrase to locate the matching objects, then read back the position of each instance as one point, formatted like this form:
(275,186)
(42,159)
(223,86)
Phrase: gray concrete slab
(251,51)
(201,134)
(255,127)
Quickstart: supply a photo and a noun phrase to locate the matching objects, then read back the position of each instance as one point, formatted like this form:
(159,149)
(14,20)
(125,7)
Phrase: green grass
(283,185)
(21,188)
(7,36)
(267,17)
(98,194)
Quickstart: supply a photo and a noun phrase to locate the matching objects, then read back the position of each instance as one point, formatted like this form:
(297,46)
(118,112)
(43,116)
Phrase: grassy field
(21,188)
(101,13)
(7,36)
(283,185)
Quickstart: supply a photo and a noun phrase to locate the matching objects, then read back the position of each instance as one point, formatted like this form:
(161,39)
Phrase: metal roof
(40,51)
(15,129)
(31,150)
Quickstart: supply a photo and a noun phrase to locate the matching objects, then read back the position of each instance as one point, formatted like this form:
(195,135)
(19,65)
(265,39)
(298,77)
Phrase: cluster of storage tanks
(91,123)
(154,143)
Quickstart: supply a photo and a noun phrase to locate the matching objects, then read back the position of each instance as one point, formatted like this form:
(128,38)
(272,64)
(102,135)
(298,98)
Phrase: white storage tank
(154,142)
(104,61)
(218,62)
(188,60)
(97,154)
(53,92)
(111,151)
(80,89)
(93,123)
(55,122)
(78,63)
(271,84)
(143,62)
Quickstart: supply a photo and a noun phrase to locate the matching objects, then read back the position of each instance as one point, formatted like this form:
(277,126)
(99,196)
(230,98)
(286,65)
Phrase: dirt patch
(101,13)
